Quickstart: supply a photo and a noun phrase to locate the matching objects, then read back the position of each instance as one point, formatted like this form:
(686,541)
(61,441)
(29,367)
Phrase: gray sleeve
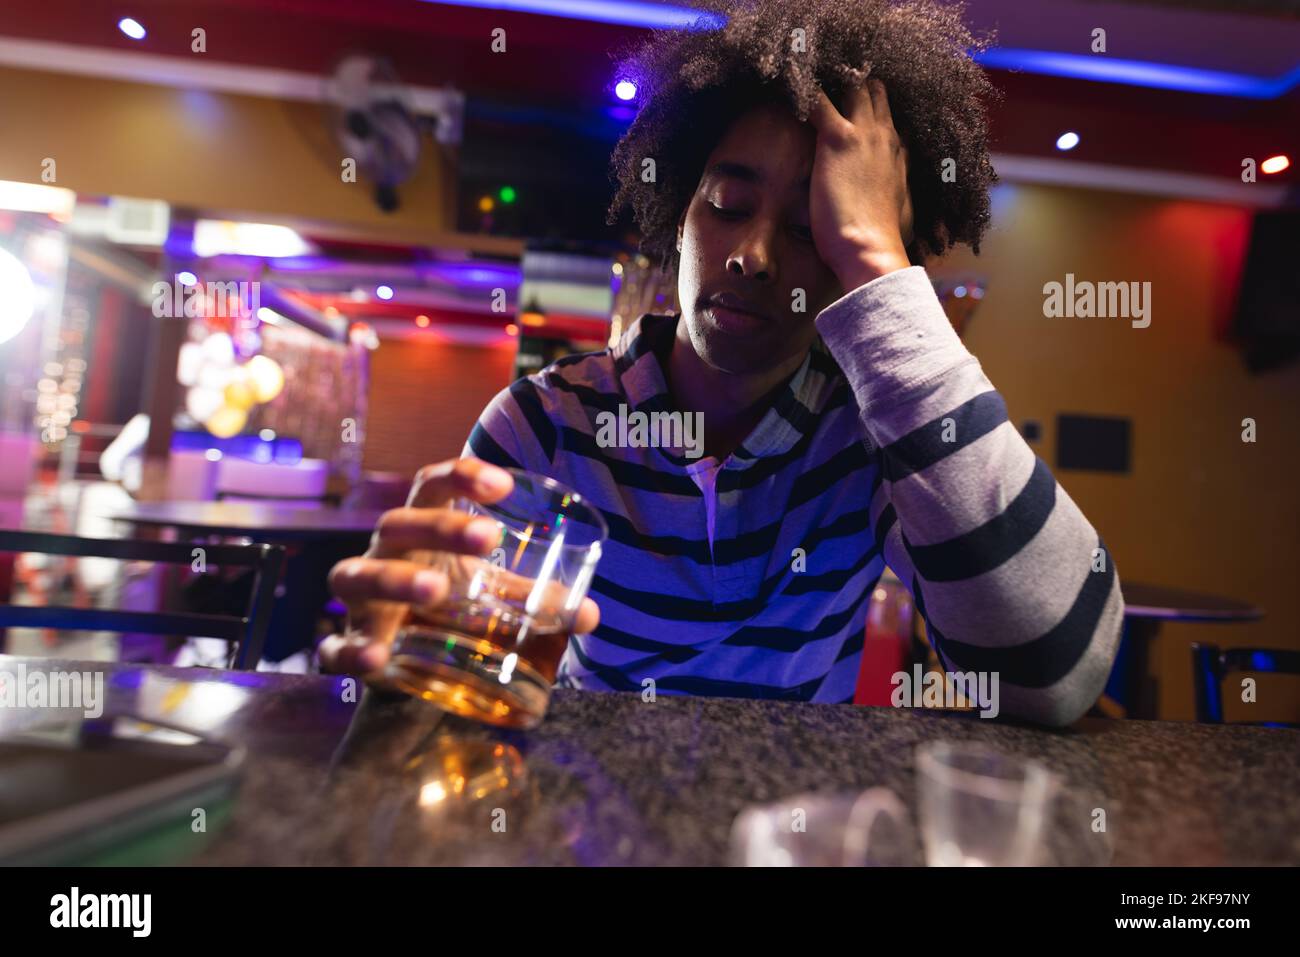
(1011,577)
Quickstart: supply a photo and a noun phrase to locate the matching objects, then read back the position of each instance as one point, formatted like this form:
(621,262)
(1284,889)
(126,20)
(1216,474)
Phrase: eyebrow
(745,173)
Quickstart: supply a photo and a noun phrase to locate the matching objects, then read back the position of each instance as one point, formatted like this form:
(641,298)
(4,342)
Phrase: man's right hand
(379,586)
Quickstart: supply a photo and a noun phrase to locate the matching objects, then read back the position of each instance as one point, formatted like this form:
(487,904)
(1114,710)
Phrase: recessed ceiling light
(131,28)
(1067,141)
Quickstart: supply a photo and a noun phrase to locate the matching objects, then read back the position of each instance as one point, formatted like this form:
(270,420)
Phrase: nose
(753,257)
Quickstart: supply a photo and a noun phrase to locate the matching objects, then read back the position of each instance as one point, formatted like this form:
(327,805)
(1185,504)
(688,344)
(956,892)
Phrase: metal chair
(1211,664)
(246,633)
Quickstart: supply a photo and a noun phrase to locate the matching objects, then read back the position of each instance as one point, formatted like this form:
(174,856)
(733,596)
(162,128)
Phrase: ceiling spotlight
(131,28)
(1067,141)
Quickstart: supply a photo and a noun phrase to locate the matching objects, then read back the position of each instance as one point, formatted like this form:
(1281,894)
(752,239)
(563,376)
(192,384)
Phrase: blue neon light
(632,13)
(1160,76)
(1103,69)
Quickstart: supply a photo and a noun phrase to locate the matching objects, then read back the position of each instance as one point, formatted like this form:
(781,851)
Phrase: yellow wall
(218,152)
(1200,509)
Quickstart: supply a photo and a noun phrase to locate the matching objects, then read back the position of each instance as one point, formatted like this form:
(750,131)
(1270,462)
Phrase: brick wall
(425,396)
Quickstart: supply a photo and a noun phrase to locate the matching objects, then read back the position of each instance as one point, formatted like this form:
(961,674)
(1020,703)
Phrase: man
(802,160)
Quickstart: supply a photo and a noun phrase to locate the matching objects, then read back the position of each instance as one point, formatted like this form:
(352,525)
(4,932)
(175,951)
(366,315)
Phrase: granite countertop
(611,779)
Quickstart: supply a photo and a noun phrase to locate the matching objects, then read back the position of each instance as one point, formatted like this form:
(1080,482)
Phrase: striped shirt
(751,577)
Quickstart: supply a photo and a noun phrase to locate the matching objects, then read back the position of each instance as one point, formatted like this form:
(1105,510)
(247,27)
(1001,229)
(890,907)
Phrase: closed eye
(802,233)
(726,213)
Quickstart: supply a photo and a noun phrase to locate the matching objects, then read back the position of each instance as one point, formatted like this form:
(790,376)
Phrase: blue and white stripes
(888,445)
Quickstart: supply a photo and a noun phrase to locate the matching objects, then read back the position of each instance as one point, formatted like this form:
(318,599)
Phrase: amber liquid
(481,660)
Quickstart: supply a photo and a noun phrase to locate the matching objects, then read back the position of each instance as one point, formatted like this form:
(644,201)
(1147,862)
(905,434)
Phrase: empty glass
(977,807)
(821,830)
(980,807)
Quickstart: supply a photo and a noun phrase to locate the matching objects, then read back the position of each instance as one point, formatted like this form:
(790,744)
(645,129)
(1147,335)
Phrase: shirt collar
(641,354)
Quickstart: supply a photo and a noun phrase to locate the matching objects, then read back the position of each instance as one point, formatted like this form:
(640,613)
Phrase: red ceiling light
(1275,164)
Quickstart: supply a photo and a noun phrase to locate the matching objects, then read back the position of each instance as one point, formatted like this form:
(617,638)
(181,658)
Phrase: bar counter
(614,779)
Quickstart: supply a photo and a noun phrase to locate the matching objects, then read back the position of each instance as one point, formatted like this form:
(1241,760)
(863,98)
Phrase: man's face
(745,234)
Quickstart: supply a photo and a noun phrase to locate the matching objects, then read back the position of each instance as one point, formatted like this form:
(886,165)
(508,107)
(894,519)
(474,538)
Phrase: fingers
(879,100)
(403,530)
(420,555)
(436,486)
(858,107)
(378,594)
(865,106)
(352,654)
(588,617)
(877,97)
(824,116)
(357,580)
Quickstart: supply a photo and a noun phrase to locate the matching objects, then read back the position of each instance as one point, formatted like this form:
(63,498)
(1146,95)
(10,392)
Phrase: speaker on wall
(1267,319)
(1094,443)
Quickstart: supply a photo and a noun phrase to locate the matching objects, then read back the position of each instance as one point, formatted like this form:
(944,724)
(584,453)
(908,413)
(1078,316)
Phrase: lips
(732,303)
(734,322)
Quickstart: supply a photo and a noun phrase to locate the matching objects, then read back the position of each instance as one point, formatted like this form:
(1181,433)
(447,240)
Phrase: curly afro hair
(693,83)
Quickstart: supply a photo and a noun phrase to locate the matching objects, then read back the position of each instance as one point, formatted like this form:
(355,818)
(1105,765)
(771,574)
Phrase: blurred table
(318,537)
(260,522)
(1145,607)
(1172,604)
(611,779)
